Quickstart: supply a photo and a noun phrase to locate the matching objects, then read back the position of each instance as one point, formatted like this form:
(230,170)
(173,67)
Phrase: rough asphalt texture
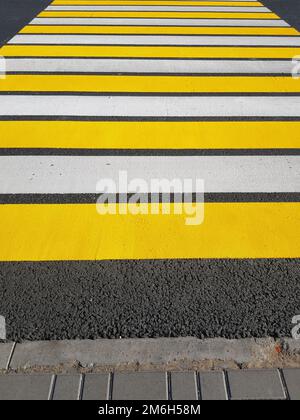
(202,298)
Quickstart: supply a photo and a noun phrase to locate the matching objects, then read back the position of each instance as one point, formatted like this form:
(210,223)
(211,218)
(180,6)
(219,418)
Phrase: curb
(172,354)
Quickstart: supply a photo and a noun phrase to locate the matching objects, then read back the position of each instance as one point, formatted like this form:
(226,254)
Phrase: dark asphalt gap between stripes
(85,198)
(149,298)
(141,119)
(146,152)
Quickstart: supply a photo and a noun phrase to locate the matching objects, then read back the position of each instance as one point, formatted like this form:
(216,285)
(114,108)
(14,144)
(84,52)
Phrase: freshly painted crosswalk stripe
(145,84)
(158,106)
(221,174)
(155,40)
(43,232)
(146,66)
(180,30)
(200,100)
(158,51)
(189,137)
(174,15)
(142,8)
(234,21)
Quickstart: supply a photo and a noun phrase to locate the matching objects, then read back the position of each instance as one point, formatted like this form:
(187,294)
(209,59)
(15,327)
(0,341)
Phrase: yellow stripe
(104,83)
(150,135)
(157,51)
(200,30)
(185,15)
(156,3)
(78,232)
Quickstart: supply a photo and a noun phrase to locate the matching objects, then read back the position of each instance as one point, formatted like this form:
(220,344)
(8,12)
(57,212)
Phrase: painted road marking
(63,174)
(146,66)
(192,30)
(148,136)
(174,15)
(78,232)
(156,40)
(148,51)
(234,21)
(266,164)
(159,3)
(152,84)
(150,106)
(167,8)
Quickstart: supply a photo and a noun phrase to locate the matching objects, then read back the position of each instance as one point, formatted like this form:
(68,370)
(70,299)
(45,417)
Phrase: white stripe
(100,65)
(64,174)
(291,41)
(158,22)
(150,106)
(160,8)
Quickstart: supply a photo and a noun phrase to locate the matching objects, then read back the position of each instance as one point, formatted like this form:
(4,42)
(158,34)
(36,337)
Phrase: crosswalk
(164,89)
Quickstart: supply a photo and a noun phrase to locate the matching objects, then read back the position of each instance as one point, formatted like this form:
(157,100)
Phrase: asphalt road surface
(160,90)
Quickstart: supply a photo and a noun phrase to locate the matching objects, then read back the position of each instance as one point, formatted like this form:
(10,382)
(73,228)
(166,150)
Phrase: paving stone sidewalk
(46,370)
(268,384)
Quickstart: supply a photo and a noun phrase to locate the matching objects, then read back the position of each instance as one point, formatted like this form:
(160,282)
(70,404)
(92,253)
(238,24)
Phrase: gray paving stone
(292,380)
(212,386)
(95,387)
(66,387)
(255,384)
(24,387)
(183,386)
(5,350)
(140,386)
